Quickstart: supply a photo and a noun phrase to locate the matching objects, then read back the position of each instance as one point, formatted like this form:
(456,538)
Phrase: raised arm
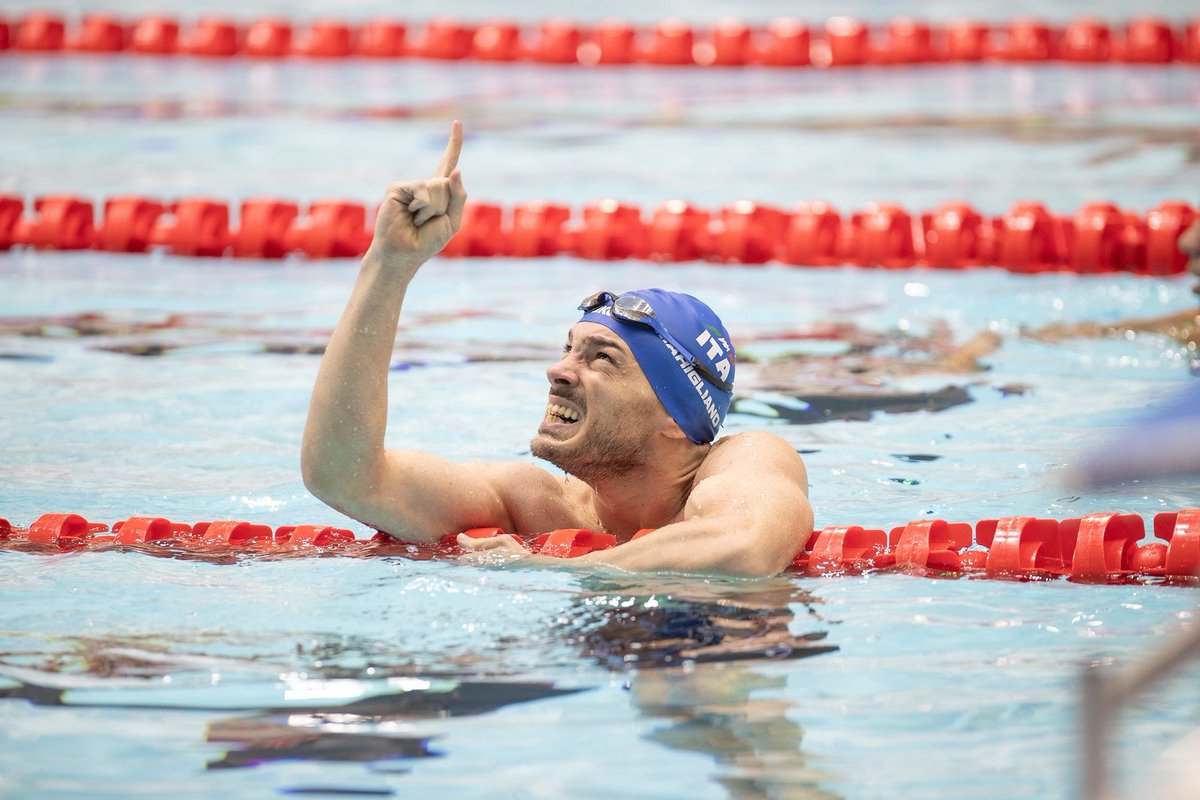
(343,460)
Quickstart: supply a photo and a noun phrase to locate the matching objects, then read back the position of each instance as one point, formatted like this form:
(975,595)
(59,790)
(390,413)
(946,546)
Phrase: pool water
(154,384)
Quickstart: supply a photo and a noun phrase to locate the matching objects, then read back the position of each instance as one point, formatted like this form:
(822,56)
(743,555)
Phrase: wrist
(402,265)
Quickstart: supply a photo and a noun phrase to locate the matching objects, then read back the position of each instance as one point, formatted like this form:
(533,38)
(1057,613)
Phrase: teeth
(556,410)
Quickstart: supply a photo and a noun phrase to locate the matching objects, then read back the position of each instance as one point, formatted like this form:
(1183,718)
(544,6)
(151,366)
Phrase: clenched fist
(417,218)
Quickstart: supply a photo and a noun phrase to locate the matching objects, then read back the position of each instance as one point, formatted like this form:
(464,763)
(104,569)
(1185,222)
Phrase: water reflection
(253,742)
(364,730)
(690,653)
(714,710)
(313,723)
(644,627)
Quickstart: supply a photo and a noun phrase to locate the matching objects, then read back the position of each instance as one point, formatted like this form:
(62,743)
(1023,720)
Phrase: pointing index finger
(453,148)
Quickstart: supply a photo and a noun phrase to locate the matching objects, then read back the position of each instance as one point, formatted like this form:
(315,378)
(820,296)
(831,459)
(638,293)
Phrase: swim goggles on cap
(636,311)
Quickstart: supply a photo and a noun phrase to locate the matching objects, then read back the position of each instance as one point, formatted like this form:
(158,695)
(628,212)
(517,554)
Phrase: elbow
(314,474)
(773,555)
(339,485)
(752,558)
(338,494)
(325,481)
(315,481)
(320,486)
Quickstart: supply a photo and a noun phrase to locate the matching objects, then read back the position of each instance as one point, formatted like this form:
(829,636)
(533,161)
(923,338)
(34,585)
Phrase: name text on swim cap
(697,382)
(715,351)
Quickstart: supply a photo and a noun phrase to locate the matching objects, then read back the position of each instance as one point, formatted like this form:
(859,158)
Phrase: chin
(544,447)
(590,460)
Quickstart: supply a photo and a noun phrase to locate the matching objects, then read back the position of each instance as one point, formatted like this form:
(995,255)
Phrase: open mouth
(560,413)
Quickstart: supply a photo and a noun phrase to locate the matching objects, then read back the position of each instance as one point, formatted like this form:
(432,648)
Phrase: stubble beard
(598,459)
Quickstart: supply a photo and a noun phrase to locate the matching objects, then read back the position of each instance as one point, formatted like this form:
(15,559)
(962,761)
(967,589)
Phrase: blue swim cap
(681,346)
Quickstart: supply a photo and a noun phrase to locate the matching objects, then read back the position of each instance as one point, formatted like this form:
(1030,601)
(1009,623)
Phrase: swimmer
(635,402)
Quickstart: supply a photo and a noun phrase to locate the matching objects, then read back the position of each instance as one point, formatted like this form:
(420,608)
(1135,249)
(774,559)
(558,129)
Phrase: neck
(649,496)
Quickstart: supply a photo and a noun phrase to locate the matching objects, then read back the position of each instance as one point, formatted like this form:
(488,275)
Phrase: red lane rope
(784,42)
(1096,548)
(1099,237)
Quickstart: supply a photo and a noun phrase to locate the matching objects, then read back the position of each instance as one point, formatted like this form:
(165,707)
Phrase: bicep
(420,496)
(758,518)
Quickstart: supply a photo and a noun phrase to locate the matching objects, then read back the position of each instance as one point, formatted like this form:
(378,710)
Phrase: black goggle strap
(704,371)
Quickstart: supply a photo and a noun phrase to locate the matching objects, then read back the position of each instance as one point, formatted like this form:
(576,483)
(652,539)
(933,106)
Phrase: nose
(562,372)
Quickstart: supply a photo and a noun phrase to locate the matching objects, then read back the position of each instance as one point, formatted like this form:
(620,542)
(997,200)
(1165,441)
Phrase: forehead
(582,333)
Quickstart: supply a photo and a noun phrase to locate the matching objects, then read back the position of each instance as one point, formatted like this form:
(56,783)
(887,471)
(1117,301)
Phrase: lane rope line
(1094,548)
(1098,237)
(781,42)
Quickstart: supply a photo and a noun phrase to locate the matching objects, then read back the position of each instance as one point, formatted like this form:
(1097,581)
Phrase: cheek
(629,402)
(646,409)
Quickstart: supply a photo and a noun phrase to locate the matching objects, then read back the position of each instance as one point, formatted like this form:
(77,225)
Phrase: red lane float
(61,532)
(1096,548)
(781,42)
(137,530)
(1099,237)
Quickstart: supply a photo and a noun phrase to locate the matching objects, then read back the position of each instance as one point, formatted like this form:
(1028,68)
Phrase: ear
(671,430)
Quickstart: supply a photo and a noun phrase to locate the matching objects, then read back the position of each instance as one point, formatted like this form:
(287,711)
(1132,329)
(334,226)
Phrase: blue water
(189,678)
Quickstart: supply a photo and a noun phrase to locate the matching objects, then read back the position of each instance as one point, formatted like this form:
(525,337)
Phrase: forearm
(347,418)
(733,525)
(728,546)
(343,460)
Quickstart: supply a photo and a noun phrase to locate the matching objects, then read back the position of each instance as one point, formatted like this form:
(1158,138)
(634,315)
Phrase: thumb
(471,543)
(458,199)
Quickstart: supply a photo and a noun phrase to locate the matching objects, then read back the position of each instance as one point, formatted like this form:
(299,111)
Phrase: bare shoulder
(755,484)
(754,451)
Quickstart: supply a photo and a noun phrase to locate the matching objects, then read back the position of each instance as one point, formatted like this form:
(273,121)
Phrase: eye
(566,348)
(603,356)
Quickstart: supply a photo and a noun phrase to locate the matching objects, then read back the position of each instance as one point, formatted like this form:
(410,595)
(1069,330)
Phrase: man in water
(643,384)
